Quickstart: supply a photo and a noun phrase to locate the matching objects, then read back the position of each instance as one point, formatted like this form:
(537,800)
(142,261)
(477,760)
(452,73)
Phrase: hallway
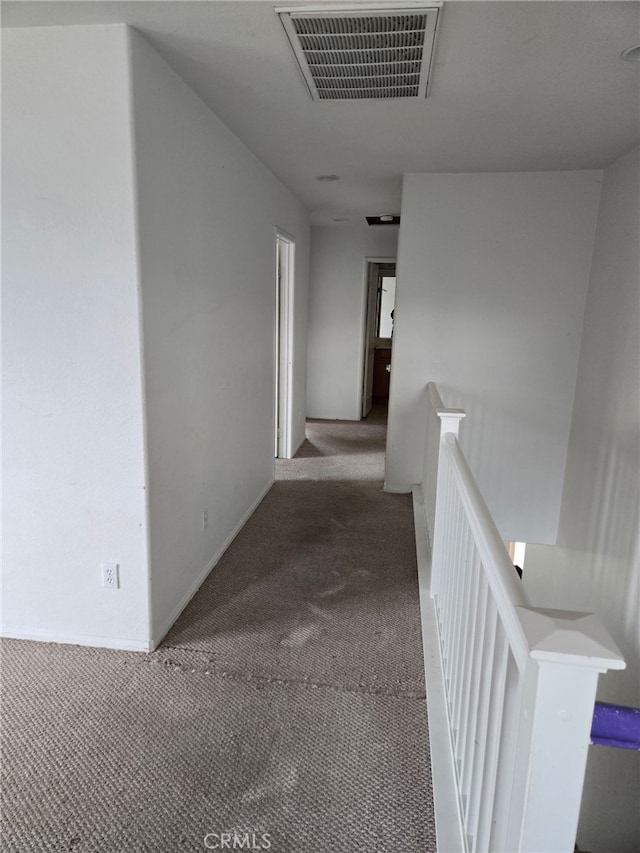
(288,699)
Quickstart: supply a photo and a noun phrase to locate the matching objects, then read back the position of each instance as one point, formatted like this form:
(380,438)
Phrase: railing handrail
(507,589)
(436,402)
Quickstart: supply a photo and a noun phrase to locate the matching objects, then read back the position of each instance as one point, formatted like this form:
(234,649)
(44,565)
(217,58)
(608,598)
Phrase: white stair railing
(520,681)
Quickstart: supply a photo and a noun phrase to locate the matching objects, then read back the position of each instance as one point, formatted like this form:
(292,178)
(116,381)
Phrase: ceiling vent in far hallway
(356,53)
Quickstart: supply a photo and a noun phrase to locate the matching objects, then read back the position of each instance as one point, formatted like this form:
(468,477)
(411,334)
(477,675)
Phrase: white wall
(109,257)
(208,211)
(337,304)
(74,483)
(596,566)
(491,286)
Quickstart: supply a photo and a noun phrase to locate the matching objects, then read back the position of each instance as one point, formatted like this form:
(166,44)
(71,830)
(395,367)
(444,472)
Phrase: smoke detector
(348,53)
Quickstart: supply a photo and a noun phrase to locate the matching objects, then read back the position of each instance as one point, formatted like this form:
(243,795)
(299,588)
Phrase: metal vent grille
(357,55)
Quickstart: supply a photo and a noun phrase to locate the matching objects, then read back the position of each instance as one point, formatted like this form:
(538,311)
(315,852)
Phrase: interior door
(373,296)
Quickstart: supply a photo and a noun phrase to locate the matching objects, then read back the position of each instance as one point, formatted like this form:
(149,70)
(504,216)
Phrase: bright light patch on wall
(350,53)
(518,553)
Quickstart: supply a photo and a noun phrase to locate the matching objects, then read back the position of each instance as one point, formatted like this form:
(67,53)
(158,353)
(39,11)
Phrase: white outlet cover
(110,576)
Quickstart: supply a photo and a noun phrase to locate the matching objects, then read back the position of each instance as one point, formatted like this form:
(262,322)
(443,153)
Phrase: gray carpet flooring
(287,701)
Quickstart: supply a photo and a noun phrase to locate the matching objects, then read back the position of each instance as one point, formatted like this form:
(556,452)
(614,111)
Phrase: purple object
(616,725)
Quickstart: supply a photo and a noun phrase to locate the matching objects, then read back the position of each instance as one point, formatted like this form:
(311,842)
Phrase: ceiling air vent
(352,53)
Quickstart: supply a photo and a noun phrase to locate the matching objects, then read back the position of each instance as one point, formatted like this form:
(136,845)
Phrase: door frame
(283,343)
(368,261)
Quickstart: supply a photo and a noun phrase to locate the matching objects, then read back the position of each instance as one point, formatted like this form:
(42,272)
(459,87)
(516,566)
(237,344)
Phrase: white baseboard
(396,490)
(448,811)
(195,586)
(123,644)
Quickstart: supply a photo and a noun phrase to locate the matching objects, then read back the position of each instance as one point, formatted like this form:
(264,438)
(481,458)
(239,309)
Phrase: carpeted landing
(287,701)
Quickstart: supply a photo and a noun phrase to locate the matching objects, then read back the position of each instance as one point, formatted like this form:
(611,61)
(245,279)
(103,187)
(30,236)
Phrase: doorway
(378,336)
(283,336)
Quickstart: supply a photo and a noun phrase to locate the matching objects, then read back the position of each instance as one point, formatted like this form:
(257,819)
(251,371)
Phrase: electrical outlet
(110,576)
(205,518)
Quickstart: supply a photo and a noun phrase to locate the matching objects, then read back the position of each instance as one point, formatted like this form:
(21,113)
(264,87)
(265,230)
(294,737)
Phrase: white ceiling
(526,85)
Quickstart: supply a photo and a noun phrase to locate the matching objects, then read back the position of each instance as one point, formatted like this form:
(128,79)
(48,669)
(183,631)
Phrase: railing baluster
(471,724)
(467,663)
(454,584)
(504,778)
(448,503)
(519,691)
(463,618)
(448,579)
(453,580)
(482,725)
(494,730)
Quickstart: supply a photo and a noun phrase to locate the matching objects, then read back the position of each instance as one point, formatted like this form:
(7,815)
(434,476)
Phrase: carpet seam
(248,675)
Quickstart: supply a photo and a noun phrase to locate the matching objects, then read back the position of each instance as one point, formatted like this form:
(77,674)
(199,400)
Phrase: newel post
(449,424)
(567,652)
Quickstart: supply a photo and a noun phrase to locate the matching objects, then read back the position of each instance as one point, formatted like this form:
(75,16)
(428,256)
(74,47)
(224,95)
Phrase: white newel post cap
(567,652)
(450,420)
(568,637)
